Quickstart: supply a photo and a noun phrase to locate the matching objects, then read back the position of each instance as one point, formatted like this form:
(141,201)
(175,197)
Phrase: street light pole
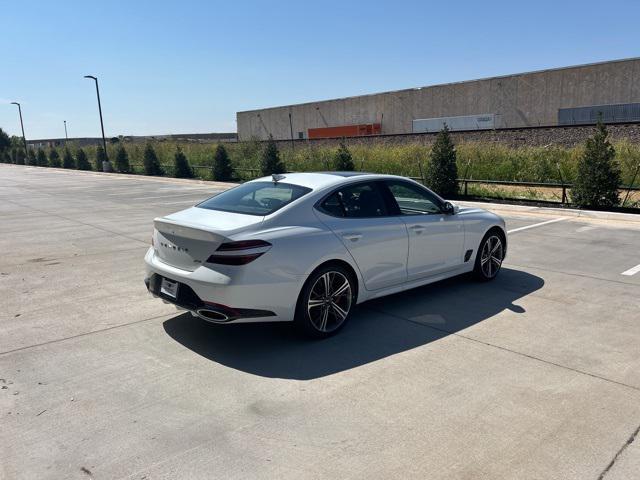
(24,139)
(66,137)
(104,142)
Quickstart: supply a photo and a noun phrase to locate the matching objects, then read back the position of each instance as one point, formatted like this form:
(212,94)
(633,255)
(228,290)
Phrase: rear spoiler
(186,231)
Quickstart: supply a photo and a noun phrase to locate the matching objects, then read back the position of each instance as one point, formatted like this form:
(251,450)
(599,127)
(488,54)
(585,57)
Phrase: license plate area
(169,288)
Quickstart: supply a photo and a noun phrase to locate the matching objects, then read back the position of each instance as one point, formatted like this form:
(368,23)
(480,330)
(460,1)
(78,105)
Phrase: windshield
(255,198)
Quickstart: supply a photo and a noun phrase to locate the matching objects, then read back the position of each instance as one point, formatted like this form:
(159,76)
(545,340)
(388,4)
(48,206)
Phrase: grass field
(475,160)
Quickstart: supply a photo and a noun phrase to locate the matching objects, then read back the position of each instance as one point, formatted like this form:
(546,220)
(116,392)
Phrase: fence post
(633,180)
(465,187)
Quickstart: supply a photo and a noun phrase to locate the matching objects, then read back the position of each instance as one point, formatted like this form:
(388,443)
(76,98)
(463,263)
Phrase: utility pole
(291,129)
(106,168)
(66,137)
(24,139)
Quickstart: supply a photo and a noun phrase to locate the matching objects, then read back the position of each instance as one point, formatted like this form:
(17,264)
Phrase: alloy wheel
(491,256)
(329,301)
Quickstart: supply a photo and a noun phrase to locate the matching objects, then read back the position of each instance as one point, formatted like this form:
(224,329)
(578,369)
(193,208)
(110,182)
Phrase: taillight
(239,253)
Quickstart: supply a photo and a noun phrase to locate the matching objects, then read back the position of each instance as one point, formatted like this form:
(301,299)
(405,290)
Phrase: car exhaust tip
(212,315)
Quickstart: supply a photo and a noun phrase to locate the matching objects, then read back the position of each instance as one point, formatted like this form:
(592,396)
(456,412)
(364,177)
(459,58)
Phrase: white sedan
(307,247)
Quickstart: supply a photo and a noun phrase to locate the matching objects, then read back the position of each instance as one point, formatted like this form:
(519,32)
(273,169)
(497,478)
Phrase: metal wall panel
(484,121)
(623,112)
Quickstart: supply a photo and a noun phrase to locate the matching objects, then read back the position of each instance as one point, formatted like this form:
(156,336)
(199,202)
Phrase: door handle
(418,228)
(354,237)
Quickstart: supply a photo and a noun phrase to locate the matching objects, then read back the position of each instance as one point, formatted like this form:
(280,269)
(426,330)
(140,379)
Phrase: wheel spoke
(326,282)
(325,318)
(315,303)
(341,313)
(343,288)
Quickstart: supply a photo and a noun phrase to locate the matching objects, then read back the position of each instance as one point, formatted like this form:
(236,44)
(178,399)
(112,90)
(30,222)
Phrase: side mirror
(449,208)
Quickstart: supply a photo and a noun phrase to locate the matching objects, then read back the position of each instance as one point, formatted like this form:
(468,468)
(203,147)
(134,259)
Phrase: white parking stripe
(537,225)
(632,271)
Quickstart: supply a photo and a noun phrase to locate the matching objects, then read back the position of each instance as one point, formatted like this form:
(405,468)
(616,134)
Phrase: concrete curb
(555,212)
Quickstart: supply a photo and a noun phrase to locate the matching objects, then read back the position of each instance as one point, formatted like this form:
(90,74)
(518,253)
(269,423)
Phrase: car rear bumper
(238,294)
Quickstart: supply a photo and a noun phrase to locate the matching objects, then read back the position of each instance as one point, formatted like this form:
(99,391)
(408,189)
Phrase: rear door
(358,215)
(436,239)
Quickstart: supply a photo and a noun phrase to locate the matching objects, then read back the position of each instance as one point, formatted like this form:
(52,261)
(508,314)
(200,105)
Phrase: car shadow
(377,329)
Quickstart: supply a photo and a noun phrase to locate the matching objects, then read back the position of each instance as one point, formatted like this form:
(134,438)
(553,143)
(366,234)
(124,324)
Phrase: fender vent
(467,255)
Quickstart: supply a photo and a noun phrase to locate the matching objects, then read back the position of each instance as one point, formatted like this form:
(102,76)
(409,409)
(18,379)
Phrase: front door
(436,239)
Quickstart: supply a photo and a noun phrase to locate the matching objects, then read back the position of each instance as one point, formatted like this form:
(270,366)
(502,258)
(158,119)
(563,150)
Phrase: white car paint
(388,254)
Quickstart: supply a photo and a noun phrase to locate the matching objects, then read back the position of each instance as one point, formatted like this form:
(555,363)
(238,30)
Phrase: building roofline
(531,72)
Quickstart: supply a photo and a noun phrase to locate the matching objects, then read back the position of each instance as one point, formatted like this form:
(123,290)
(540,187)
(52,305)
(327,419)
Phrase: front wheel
(325,302)
(490,257)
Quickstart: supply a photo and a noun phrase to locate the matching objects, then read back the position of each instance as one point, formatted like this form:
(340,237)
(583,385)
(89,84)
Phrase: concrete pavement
(535,375)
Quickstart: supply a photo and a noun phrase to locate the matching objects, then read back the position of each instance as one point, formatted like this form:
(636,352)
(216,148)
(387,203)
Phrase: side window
(413,200)
(362,200)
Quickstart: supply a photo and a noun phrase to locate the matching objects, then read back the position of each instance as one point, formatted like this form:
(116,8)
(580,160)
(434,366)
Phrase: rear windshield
(255,198)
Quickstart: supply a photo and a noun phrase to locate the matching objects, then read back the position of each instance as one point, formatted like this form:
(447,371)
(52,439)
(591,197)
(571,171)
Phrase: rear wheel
(325,302)
(490,256)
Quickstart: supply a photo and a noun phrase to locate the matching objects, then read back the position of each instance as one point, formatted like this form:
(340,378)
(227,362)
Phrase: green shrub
(343,161)
(82,161)
(181,167)
(41,158)
(122,160)
(222,170)
(442,172)
(54,158)
(20,156)
(31,157)
(598,173)
(101,157)
(151,163)
(270,162)
(67,159)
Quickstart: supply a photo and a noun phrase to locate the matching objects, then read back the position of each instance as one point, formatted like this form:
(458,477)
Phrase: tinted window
(255,198)
(357,201)
(413,200)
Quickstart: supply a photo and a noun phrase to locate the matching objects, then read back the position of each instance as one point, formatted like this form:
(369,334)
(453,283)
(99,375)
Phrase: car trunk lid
(186,239)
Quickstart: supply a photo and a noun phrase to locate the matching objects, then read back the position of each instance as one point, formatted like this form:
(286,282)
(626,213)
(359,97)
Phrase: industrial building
(560,96)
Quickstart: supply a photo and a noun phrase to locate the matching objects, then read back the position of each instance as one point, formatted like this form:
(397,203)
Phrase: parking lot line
(632,271)
(537,225)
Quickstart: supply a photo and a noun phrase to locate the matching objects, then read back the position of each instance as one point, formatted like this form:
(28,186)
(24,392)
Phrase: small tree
(151,163)
(54,158)
(101,157)
(31,157)
(270,162)
(343,161)
(67,159)
(181,167)
(82,161)
(222,170)
(122,160)
(41,158)
(442,172)
(598,173)
(20,156)
(5,141)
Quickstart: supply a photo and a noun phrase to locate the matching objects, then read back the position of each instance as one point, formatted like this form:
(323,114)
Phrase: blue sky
(188,66)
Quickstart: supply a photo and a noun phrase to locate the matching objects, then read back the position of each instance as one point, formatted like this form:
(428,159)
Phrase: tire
(320,314)
(490,256)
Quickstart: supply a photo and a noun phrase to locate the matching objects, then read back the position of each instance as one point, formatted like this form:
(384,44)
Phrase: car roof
(318,180)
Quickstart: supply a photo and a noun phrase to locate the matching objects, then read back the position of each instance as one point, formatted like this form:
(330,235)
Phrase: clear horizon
(167,69)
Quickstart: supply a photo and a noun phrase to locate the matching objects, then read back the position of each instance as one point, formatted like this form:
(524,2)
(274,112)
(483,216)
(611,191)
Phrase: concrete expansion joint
(629,441)
(505,349)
